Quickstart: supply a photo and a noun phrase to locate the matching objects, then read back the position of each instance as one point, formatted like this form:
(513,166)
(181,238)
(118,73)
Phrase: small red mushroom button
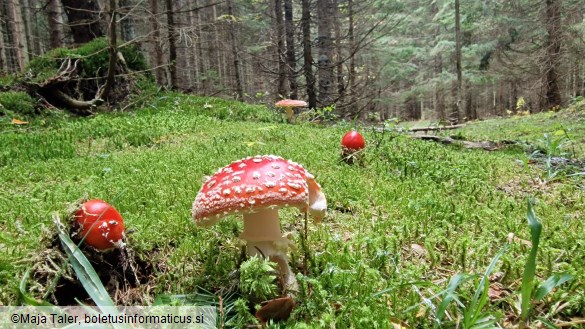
(101,225)
(353,141)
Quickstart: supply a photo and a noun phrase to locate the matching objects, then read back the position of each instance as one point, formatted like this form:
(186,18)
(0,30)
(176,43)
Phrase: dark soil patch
(127,277)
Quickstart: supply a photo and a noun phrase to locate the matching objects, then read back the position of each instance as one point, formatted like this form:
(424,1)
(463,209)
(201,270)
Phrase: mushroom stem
(289,113)
(291,285)
(275,251)
(262,232)
(261,226)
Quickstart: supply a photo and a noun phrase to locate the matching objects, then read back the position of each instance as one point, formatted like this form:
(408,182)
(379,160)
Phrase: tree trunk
(84,20)
(32,38)
(3,63)
(307,53)
(553,54)
(439,97)
(456,109)
(280,48)
(171,30)
(157,59)
(112,52)
(127,24)
(325,48)
(351,74)
(216,51)
(470,110)
(338,56)
(55,22)
(291,60)
(199,58)
(18,33)
(233,40)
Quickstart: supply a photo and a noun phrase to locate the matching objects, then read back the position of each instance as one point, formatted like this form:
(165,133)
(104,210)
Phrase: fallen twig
(485,145)
(435,128)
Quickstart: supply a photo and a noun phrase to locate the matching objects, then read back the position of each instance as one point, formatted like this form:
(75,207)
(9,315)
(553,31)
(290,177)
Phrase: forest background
(377,60)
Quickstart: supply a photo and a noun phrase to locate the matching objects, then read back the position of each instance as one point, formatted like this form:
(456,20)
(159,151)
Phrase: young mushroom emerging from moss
(288,105)
(257,187)
(100,225)
(352,143)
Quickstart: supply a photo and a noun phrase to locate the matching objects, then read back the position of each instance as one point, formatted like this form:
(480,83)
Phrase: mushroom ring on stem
(257,187)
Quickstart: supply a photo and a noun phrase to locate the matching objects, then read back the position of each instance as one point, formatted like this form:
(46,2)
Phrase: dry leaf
(18,122)
(496,291)
(418,250)
(422,311)
(396,324)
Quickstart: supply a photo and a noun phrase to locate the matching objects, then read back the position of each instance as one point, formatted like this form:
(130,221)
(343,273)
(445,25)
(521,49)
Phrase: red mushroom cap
(101,224)
(255,183)
(353,141)
(291,103)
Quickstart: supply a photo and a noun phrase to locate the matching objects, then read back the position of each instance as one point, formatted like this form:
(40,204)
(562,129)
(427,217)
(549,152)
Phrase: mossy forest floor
(400,226)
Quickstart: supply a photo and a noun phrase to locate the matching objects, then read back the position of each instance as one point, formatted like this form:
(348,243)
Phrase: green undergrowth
(416,216)
(568,125)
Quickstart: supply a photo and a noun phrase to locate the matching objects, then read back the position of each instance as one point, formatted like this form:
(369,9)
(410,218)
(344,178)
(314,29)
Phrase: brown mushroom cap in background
(290,103)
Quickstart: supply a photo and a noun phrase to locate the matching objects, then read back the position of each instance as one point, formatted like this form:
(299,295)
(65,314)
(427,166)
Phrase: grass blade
(24,297)
(86,274)
(450,295)
(552,282)
(530,267)
(480,297)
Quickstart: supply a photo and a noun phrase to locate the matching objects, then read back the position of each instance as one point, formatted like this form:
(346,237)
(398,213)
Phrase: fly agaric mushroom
(288,105)
(101,225)
(351,143)
(257,187)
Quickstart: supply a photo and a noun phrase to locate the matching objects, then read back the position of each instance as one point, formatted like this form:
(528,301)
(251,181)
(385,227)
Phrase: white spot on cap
(211,183)
(271,174)
(275,166)
(282,190)
(270,184)
(257,160)
(237,189)
(294,185)
(113,222)
(236,179)
(251,201)
(250,189)
(226,191)
(242,165)
(256,174)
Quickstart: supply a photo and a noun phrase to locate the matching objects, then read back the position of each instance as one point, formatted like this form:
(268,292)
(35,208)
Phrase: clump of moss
(47,65)
(95,57)
(16,103)
(93,60)
(79,72)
